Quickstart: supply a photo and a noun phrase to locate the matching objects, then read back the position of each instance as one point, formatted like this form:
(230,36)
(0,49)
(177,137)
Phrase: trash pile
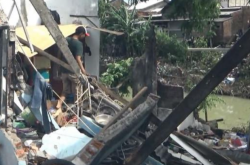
(99,129)
(48,133)
(216,138)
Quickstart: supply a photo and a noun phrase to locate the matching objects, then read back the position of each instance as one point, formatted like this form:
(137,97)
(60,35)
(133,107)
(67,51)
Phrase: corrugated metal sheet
(41,38)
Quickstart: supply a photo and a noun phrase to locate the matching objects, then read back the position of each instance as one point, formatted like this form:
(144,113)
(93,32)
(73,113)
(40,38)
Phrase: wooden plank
(116,134)
(106,31)
(49,56)
(231,59)
(57,35)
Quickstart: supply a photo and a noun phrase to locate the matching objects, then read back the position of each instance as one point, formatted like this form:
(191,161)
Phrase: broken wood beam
(105,143)
(217,120)
(114,120)
(229,61)
(49,56)
(57,35)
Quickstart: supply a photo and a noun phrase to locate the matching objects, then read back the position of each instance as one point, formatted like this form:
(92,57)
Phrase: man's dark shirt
(76,49)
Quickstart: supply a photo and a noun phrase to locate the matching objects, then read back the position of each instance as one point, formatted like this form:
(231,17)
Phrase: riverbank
(235,112)
(176,75)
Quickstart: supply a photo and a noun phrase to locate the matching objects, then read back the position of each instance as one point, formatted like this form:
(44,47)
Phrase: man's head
(81,32)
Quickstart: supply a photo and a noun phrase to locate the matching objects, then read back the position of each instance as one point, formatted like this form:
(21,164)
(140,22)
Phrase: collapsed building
(101,127)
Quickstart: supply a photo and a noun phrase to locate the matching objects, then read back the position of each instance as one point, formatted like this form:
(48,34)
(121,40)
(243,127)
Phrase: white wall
(82,7)
(65,8)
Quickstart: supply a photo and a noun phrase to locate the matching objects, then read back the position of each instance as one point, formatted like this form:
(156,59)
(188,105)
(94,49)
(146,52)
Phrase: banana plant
(123,20)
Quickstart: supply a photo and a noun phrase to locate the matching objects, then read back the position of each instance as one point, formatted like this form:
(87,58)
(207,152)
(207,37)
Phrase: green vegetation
(117,75)
(202,61)
(199,13)
(210,102)
(170,48)
(133,41)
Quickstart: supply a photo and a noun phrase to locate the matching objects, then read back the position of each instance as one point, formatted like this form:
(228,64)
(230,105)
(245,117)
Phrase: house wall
(174,28)
(237,2)
(223,32)
(227,31)
(224,3)
(237,22)
(82,7)
(218,38)
(241,20)
(65,8)
(246,17)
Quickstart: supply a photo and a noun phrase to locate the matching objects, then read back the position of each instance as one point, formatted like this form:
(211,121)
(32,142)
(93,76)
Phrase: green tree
(117,75)
(200,13)
(133,41)
(170,48)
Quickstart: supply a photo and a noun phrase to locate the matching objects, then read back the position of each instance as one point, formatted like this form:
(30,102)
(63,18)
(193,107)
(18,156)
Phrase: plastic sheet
(64,143)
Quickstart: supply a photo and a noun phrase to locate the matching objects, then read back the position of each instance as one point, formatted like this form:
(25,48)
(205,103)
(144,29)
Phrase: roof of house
(238,2)
(148,4)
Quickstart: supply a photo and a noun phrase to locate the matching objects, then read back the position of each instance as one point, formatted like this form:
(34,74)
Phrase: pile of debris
(103,128)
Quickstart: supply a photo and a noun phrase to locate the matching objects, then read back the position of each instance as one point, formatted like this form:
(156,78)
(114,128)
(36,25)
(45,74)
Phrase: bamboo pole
(24,28)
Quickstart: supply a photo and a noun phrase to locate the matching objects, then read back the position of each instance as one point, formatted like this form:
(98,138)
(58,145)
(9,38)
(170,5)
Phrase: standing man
(70,80)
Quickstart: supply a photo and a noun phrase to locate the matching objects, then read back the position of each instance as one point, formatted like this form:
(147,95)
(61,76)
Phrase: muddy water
(235,112)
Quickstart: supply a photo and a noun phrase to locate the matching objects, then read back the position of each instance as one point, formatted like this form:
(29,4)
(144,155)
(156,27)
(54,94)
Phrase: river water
(235,112)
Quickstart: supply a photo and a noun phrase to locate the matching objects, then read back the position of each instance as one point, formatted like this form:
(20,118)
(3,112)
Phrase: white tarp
(64,143)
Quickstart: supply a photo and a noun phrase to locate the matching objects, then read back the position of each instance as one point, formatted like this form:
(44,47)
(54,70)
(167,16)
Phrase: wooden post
(206,116)
(231,59)
(146,69)
(57,35)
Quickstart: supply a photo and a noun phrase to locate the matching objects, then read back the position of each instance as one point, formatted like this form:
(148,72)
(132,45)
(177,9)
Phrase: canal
(235,112)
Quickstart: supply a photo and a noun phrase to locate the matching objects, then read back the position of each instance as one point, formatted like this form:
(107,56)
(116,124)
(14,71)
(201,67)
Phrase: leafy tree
(200,13)
(133,40)
(170,48)
(117,75)
(210,102)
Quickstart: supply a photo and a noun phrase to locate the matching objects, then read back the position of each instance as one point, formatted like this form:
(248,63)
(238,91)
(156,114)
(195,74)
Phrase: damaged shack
(156,127)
